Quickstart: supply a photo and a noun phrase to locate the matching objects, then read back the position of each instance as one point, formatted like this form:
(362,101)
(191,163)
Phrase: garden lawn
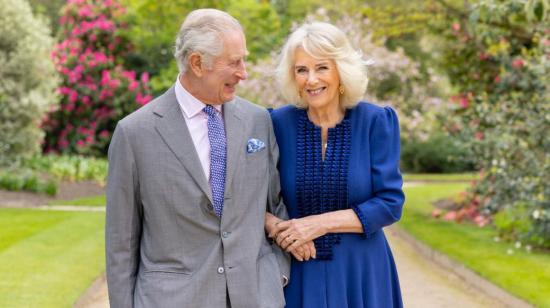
(437,177)
(524,274)
(88,201)
(48,258)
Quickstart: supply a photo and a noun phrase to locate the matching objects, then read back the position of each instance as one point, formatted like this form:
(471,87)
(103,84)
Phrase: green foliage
(28,80)
(440,153)
(496,58)
(70,167)
(49,10)
(261,25)
(155,25)
(26,180)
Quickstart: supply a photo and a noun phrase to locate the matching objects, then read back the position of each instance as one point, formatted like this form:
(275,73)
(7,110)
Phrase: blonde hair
(323,41)
(202,32)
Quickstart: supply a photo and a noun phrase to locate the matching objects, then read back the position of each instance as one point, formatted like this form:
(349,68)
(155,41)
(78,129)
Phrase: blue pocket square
(254,145)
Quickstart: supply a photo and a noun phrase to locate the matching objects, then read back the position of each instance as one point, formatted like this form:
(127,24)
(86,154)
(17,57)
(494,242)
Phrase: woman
(339,174)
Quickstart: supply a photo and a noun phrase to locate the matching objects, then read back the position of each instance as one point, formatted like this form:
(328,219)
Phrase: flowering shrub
(27,78)
(394,79)
(498,57)
(97,91)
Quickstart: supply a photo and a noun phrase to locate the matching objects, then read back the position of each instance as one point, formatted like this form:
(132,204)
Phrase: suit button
(225,234)
(220,270)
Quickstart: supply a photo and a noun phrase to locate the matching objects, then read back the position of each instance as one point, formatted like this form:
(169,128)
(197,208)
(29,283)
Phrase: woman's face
(317,80)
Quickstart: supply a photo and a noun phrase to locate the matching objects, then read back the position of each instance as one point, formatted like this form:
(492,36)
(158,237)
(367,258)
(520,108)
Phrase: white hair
(202,32)
(323,41)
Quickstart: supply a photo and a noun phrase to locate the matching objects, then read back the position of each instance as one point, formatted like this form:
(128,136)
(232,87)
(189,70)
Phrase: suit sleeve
(275,203)
(385,207)
(123,221)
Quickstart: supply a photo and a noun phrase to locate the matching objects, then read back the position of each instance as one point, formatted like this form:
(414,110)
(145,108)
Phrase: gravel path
(424,284)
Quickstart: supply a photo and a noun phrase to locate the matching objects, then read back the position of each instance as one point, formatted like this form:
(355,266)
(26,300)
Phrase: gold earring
(341,89)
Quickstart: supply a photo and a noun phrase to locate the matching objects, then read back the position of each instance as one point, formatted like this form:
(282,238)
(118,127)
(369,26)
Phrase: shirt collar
(190,105)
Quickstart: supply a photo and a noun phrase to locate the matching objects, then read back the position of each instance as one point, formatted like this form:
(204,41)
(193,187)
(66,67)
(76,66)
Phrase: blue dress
(360,171)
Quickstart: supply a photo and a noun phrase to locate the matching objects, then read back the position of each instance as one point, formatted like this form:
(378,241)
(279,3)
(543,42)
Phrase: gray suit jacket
(165,246)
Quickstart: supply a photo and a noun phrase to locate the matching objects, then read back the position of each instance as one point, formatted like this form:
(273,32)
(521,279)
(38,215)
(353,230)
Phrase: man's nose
(241,72)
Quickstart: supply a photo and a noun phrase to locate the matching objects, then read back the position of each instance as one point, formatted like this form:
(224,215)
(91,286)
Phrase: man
(191,175)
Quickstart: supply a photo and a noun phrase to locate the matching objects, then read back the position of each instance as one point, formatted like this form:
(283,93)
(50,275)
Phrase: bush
(28,80)
(70,168)
(496,54)
(27,180)
(438,154)
(97,91)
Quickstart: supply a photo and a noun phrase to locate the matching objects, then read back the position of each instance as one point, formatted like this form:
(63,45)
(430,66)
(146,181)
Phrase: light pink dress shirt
(197,123)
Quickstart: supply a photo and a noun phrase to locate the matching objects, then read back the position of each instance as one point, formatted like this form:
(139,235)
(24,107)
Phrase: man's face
(219,82)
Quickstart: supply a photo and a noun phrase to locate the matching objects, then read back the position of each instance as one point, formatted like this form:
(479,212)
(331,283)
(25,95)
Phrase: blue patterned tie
(216,136)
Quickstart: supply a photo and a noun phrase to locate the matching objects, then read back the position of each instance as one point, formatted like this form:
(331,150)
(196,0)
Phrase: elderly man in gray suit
(191,176)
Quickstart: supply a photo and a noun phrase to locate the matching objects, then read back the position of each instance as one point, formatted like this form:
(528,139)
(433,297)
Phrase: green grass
(48,258)
(436,177)
(527,275)
(88,201)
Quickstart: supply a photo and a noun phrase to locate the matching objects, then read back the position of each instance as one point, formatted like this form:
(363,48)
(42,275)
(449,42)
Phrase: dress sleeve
(385,207)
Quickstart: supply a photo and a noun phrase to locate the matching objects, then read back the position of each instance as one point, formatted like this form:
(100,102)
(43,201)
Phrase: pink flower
(85,99)
(64,90)
(133,85)
(85,11)
(464,101)
(80,143)
(105,77)
(483,56)
(481,220)
(104,134)
(456,26)
(497,79)
(114,83)
(73,96)
(144,77)
(450,216)
(130,75)
(518,63)
(62,143)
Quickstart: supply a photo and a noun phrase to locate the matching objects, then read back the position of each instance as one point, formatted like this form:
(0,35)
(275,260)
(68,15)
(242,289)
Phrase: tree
(28,80)
(96,91)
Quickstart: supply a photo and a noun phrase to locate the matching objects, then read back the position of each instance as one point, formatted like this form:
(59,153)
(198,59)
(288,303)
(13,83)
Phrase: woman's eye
(322,68)
(301,70)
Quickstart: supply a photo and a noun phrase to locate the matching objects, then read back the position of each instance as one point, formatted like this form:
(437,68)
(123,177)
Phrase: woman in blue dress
(339,168)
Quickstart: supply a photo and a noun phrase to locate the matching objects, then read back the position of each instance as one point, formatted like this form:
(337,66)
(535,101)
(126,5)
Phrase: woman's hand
(301,253)
(294,233)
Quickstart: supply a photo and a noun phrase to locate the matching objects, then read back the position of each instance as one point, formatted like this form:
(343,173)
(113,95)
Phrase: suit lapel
(235,130)
(174,132)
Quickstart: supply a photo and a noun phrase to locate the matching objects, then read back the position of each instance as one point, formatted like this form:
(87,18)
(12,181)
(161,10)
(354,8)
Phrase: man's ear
(195,64)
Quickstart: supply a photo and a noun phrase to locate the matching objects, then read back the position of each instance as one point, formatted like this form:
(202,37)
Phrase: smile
(314,92)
